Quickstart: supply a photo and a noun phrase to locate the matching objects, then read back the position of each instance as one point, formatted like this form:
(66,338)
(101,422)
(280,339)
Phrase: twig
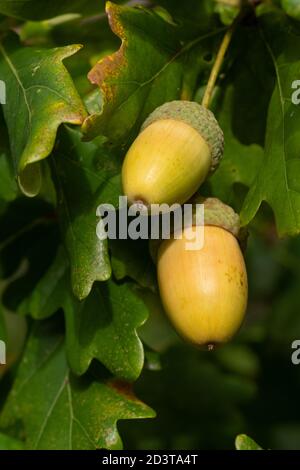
(219,60)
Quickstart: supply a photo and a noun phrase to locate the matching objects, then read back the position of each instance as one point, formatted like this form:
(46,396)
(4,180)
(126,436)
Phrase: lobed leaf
(46,393)
(103,326)
(149,69)
(40,96)
(85,176)
(277,181)
(244,442)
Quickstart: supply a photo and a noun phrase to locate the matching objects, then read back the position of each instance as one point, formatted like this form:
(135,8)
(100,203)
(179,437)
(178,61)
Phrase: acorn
(204,291)
(180,143)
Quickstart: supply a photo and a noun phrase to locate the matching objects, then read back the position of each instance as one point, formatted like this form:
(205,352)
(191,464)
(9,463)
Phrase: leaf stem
(219,60)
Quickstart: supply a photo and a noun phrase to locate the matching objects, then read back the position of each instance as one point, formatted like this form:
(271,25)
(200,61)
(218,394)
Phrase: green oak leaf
(150,68)
(103,326)
(41,9)
(46,393)
(243,124)
(277,181)
(40,96)
(85,175)
(243,442)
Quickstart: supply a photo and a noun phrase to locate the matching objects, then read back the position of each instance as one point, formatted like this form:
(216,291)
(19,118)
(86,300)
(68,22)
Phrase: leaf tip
(30,179)
(244,442)
(70,50)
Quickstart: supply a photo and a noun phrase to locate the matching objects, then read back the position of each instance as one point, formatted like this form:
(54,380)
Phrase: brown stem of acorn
(219,60)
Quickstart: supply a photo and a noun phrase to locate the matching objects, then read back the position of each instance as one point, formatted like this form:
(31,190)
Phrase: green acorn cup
(180,143)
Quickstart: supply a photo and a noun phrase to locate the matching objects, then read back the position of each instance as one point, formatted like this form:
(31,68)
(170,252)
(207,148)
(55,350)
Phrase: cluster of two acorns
(203,291)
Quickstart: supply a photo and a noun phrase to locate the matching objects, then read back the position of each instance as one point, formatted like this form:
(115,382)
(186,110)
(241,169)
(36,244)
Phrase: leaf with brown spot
(45,393)
(102,327)
(149,69)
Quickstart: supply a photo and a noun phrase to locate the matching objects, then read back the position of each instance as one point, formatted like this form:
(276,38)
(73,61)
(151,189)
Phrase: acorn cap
(216,213)
(196,116)
(221,215)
